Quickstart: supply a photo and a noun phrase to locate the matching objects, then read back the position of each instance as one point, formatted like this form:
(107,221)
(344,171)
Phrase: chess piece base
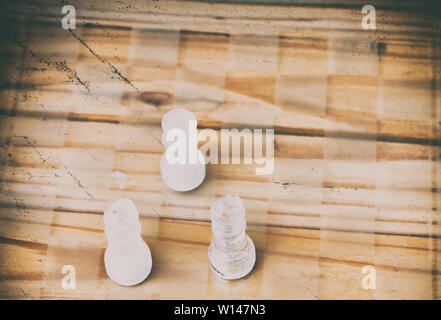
(128,267)
(224,270)
(182,177)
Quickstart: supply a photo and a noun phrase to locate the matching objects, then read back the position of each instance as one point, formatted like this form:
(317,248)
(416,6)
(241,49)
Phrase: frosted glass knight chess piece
(127,258)
(182,164)
(232,253)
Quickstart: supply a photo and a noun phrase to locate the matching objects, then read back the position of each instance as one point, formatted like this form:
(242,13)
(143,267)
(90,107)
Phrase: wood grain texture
(356,115)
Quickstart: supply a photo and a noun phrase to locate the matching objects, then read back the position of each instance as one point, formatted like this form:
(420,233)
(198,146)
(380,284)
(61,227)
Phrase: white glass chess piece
(232,253)
(189,173)
(127,258)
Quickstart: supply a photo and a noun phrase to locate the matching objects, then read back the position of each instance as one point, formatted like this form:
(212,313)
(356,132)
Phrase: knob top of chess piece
(228,207)
(121,220)
(177,118)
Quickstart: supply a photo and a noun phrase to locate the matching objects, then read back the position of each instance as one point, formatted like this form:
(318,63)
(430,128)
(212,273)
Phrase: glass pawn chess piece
(127,258)
(182,164)
(231,253)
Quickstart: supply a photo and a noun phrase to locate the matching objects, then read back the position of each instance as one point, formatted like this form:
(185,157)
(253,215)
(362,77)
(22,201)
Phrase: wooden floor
(356,115)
